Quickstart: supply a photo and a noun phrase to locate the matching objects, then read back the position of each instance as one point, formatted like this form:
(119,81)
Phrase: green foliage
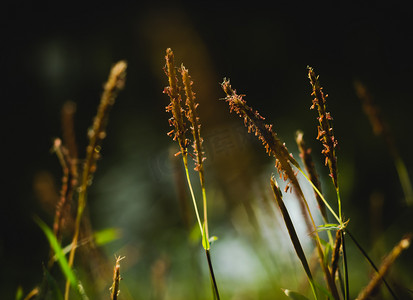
(60,256)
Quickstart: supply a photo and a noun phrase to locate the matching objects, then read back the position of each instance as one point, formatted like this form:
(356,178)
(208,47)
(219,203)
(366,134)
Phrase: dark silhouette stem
(211,272)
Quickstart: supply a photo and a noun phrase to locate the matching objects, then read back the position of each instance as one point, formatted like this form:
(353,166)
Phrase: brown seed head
(112,87)
(255,123)
(173,91)
(193,118)
(325,130)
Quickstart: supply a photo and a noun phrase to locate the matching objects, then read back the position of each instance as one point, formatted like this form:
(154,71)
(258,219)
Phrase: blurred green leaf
(294,295)
(19,293)
(106,236)
(61,258)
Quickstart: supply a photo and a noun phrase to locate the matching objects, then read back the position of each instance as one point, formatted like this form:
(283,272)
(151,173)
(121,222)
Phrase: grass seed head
(255,123)
(173,91)
(193,118)
(325,130)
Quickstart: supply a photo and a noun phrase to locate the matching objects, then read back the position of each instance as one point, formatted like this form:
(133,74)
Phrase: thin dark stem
(370,262)
(346,283)
(211,272)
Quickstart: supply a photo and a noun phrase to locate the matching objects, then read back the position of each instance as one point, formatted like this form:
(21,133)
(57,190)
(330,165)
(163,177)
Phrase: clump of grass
(66,152)
(274,147)
(185,118)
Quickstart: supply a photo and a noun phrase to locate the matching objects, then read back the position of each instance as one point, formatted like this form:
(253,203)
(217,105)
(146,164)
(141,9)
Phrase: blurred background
(53,53)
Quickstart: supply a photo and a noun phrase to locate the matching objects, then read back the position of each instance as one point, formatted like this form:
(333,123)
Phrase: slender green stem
(185,160)
(322,197)
(204,199)
(339,205)
(345,264)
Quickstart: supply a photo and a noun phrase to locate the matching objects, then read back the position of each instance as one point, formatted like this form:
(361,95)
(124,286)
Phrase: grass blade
(293,234)
(61,258)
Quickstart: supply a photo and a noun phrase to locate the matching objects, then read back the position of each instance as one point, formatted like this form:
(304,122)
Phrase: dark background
(51,53)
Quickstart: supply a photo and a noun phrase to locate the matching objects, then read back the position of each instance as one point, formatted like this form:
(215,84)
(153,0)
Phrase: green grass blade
(19,293)
(293,234)
(61,258)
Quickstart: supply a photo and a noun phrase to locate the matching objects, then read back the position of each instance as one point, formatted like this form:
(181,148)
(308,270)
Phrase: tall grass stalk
(329,142)
(178,133)
(115,83)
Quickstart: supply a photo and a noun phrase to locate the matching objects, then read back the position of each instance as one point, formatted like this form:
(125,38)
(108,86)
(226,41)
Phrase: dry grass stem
(69,181)
(305,154)
(336,253)
(384,268)
(116,279)
(68,128)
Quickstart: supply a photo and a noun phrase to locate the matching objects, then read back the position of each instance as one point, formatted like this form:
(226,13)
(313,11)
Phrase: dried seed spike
(193,118)
(112,87)
(173,91)
(116,279)
(325,131)
(273,145)
(255,123)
